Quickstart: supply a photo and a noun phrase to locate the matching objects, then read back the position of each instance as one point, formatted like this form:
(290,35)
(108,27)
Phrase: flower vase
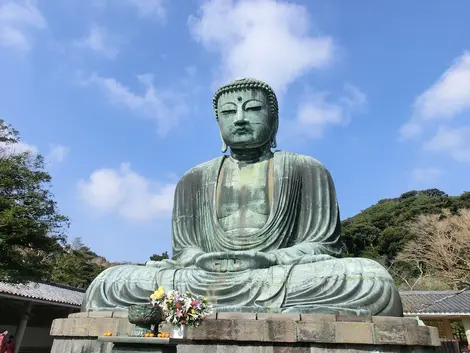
(178,332)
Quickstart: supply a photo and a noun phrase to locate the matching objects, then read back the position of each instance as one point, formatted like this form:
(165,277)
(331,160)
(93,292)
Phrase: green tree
(77,265)
(156,257)
(380,232)
(31,227)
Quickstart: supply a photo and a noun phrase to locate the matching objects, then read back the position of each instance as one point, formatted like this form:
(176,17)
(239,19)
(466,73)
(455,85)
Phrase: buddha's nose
(240,118)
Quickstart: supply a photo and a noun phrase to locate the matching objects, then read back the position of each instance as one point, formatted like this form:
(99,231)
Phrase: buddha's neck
(251,155)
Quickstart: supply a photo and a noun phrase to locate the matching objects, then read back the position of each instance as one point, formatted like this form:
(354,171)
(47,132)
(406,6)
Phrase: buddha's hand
(235,261)
(308,259)
(165,263)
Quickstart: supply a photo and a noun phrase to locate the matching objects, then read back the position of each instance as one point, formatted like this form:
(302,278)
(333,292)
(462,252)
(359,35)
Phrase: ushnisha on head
(247,113)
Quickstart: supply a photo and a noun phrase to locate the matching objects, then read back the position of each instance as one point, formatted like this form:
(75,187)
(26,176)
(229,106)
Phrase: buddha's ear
(273,142)
(274,133)
(224,145)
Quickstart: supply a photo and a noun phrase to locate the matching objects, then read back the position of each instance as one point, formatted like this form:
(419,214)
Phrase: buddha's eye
(254,108)
(228,111)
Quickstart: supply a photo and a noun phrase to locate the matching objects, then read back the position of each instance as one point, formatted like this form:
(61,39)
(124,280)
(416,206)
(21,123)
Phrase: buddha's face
(244,119)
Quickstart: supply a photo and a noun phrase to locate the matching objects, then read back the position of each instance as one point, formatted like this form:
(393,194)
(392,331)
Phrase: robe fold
(302,231)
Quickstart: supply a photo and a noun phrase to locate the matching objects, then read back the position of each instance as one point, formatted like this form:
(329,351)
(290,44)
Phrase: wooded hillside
(393,229)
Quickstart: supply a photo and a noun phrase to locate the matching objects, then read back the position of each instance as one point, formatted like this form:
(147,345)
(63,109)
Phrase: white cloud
(126,193)
(428,175)
(410,129)
(453,141)
(316,112)
(265,39)
(17,18)
(99,41)
(12,37)
(444,100)
(17,148)
(57,154)
(162,106)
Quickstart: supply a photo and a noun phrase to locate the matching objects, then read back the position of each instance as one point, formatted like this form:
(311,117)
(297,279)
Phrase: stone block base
(80,345)
(122,344)
(255,333)
(298,348)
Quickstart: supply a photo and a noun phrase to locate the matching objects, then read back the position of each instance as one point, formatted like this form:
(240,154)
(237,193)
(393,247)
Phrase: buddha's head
(247,112)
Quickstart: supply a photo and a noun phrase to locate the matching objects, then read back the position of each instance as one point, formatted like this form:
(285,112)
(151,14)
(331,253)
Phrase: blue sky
(117,96)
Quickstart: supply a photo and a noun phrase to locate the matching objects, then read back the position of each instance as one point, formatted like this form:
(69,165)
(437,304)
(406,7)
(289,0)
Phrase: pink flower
(178,313)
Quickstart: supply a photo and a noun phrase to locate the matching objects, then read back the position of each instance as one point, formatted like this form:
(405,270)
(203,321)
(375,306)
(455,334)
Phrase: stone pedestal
(123,344)
(254,333)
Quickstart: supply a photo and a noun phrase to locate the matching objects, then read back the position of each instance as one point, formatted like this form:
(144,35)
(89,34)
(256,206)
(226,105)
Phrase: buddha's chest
(243,195)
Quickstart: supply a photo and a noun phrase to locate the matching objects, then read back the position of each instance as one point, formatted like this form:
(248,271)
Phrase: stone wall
(266,333)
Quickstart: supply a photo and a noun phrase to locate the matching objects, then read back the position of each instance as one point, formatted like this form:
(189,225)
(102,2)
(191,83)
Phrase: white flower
(187,303)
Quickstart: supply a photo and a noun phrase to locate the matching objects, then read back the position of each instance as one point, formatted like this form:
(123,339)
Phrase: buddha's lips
(242,130)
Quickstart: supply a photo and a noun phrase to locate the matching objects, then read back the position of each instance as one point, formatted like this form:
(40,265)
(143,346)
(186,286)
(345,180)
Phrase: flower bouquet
(181,310)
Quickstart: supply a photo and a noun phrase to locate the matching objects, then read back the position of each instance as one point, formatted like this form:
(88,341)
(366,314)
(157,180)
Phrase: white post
(466,327)
(22,326)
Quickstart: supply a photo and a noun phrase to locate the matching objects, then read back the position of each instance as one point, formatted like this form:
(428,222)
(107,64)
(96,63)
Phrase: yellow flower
(159,295)
(193,311)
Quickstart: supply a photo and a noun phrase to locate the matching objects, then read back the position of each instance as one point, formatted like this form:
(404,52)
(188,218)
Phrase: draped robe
(302,231)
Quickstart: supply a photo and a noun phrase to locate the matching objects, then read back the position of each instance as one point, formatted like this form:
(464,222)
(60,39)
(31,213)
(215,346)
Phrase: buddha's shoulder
(197,171)
(302,160)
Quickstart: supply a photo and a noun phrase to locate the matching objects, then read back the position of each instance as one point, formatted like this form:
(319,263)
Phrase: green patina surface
(255,230)
(145,316)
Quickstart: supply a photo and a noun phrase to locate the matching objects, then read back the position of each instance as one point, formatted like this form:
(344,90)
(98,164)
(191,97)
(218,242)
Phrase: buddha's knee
(117,273)
(349,268)
(366,267)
